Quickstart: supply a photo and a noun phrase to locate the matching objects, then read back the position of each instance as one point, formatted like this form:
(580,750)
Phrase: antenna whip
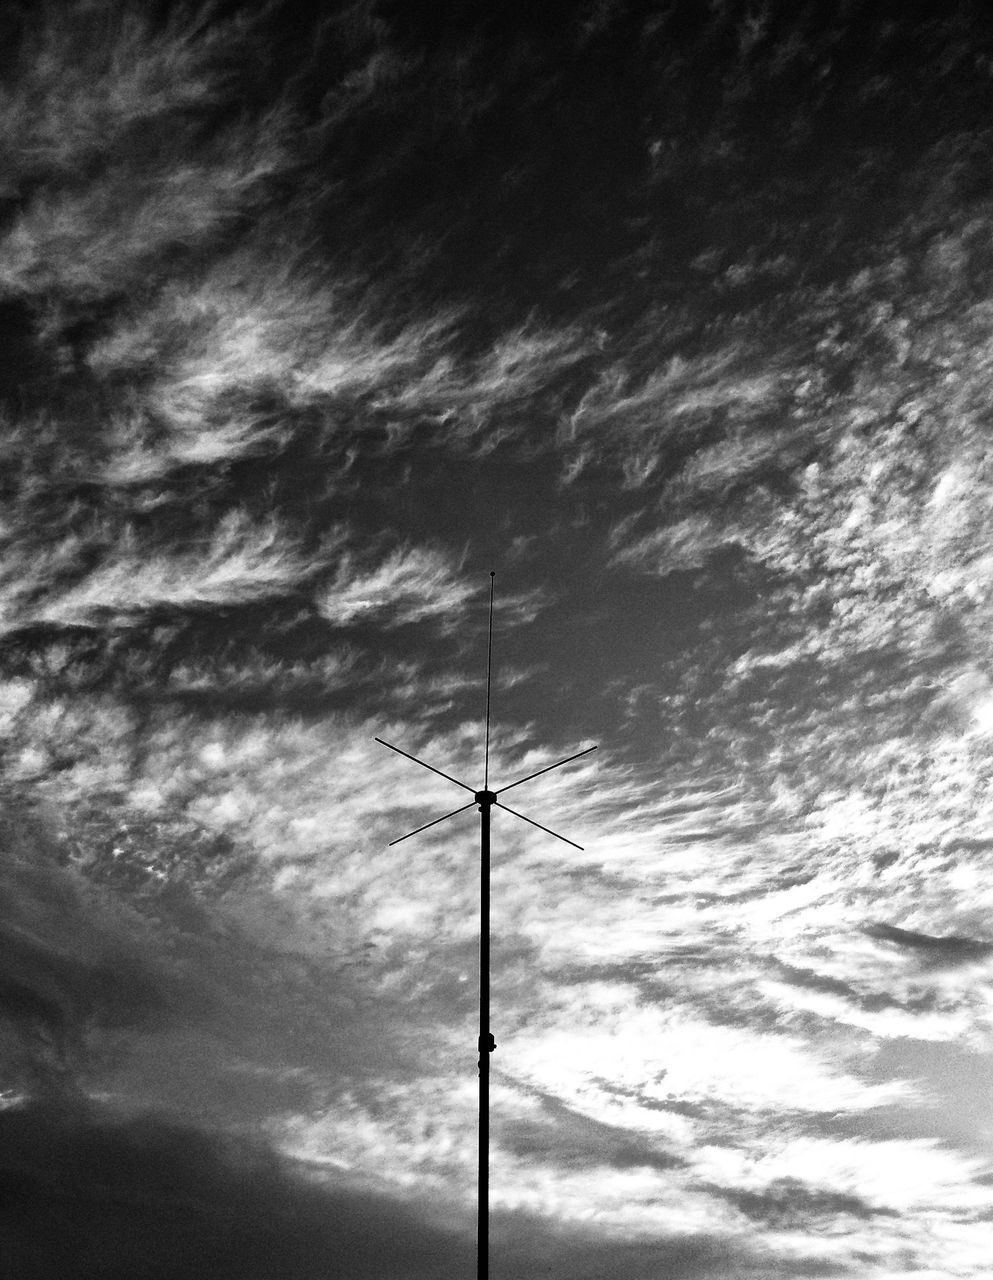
(489,672)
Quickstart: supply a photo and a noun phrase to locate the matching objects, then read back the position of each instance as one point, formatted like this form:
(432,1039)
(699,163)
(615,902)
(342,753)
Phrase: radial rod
(433,823)
(464,785)
(524,818)
(547,769)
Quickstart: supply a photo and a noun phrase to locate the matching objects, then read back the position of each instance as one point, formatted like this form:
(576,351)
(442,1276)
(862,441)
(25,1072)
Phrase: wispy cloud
(687,544)
(632,419)
(242,560)
(85,246)
(115,98)
(409,585)
(86,78)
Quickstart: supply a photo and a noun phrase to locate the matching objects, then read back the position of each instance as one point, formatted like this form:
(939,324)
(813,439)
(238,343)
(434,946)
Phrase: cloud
(242,560)
(409,585)
(626,415)
(688,544)
(133,107)
(239,675)
(87,77)
(85,246)
(483,400)
(850,684)
(211,434)
(239,361)
(261,321)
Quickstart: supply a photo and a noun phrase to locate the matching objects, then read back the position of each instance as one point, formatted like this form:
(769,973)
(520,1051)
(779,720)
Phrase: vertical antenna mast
(489,674)
(486,800)
(486,1043)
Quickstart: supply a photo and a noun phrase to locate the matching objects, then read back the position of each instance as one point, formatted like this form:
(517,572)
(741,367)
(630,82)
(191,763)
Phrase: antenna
(486,800)
(489,682)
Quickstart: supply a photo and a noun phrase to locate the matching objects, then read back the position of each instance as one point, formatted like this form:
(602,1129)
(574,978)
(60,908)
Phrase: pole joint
(486,1044)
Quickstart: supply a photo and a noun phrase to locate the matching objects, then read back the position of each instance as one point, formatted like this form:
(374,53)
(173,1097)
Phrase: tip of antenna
(493,573)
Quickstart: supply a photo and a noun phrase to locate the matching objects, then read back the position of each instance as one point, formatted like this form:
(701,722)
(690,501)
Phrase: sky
(679,318)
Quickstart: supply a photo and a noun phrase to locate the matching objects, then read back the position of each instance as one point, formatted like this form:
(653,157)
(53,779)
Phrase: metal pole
(486,800)
(486,1041)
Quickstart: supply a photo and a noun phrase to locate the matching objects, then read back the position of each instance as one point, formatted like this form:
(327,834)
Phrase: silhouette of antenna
(486,800)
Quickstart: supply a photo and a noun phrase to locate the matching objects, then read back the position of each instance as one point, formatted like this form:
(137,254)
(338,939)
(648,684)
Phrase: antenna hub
(485,798)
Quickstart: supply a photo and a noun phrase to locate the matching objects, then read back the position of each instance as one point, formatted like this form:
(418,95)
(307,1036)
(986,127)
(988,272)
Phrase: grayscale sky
(678,316)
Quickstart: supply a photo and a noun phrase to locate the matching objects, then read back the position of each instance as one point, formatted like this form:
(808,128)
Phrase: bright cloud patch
(408,586)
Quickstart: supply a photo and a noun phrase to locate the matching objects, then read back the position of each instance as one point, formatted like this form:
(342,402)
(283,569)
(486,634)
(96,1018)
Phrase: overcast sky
(677,316)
